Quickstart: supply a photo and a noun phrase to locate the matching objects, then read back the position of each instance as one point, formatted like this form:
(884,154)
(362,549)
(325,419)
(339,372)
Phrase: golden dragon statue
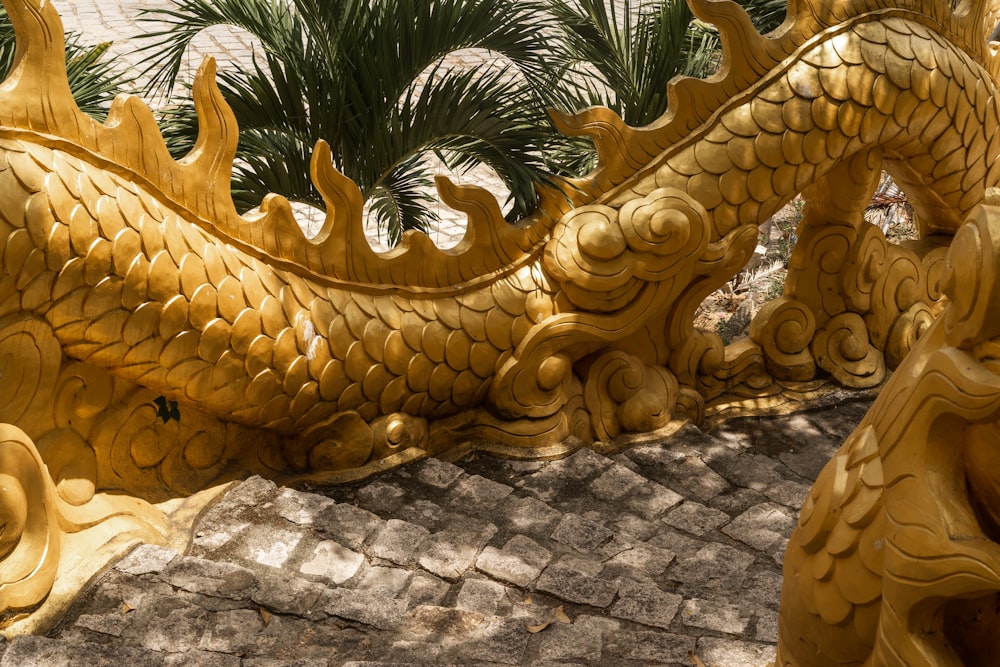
(155,343)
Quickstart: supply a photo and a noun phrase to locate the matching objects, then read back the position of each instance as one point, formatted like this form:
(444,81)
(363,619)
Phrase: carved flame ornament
(154,342)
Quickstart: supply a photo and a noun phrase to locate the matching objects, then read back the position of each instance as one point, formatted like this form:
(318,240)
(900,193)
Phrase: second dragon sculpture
(154,342)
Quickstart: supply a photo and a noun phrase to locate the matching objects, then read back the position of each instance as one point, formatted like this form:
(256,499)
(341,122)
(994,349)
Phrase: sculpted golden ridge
(160,343)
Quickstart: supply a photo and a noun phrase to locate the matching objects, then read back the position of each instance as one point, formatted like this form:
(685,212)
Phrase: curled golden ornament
(652,406)
(82,392)
(972,280)
(815,266)
(136,440)
(398,432)
(72,465)
(865,264)
(690,405)
(29,525)
(204,449)
(343,442)
(784,328)
(665,230)
(906,331)
(624,394)
(588,256)
(935,271)
(700,353)
(841,347)
(895,291)
(30,357)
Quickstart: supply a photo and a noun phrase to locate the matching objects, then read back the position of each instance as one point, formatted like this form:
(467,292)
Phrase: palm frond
(765,14)
(470,118)
(367,77)
(402,199)
(631,50)
(270,21)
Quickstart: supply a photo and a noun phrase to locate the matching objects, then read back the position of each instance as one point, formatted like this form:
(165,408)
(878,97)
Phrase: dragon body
(895,558)
(154,341)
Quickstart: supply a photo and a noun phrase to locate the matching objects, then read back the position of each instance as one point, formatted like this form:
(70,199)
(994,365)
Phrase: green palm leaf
(367,77)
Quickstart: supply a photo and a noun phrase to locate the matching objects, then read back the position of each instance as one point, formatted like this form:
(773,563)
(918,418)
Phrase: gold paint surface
(163,343)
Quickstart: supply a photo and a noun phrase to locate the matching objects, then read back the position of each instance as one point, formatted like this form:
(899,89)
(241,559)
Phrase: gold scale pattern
(154,342)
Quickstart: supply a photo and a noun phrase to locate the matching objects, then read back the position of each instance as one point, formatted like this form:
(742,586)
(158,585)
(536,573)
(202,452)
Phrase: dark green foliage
(623,57)
(368,78)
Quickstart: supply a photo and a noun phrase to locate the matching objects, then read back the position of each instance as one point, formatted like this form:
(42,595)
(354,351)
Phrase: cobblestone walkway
(668,550)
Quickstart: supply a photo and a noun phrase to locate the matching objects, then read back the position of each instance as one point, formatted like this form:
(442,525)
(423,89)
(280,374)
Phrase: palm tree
(622,54)
(94,81)
(370,77)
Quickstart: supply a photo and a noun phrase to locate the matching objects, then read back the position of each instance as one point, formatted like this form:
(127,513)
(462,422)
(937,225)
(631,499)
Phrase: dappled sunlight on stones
(762,526)
(640,561)
(503,641)
(271,547)
(426,589)
(695,518)
(424,513)
(615,482)
(643,602)
(714,566)
(399,542)
(31,650)
(453,551)
(431,620)
(378,611)
(172,626)
(480,595)
(445,563)
(231,631)
(350,525)
(766,626)
(650,499)
(146,558)
(713,615)
(113,626)
(715,651)
(208,577)
(477,494)
(438,474)
(581,639)
(580,533)
(652,646)
(530,515)
(384,581)
(581,464)
(632,527)
(285,594)
(379,496)
(333,562)
(566,580)
(300,508)
(519,562)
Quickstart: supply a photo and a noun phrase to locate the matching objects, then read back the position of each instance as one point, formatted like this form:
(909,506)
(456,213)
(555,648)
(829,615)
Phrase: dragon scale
(155,342)
(282,348)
